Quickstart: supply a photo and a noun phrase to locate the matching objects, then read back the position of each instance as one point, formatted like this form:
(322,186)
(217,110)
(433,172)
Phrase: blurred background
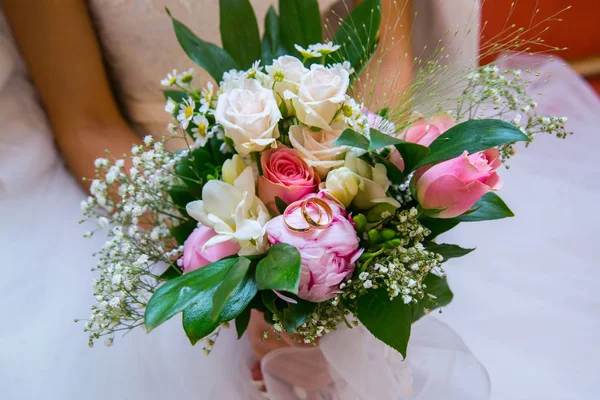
(577,31)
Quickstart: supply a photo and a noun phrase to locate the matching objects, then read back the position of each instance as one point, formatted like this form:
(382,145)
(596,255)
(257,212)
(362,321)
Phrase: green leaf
(389,321)
(472,136)
(197,322)
(489,207)
(176,95)
(447,251)
(209,56)
(296,314)
(182,231)
(280,204)
(357,35)
(437,226)
(437,287)
(394,174)
(242,321)
(300,23)
(178,294)
(171,273)
(380,139)
(271,46)
(280,269)
(181,196)
(239,31)
(231,281)
(412,154)
(352,139)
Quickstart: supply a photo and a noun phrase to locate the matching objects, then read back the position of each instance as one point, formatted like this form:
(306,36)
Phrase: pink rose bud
(193,255)
(455,185)
(422,132)
(328,254)
(285,175)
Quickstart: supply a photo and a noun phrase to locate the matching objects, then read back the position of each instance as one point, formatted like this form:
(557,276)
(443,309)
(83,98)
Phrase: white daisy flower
(171,79)
(186,112)
(200,131)
(307,53)
(170,106)
(254,69)
(207,97)
(324,49)
(172,128)
(185,77)
(345,65)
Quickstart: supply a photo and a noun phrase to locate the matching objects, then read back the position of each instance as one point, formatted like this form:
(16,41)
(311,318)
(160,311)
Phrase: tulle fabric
(352,364)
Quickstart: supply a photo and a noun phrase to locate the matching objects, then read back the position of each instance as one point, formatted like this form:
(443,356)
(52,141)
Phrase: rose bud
(422,132)
(455,185)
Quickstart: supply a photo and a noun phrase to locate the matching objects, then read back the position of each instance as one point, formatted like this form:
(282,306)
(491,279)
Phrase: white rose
(317,148)
(343,184)
(320,95)
(374,183)
(249,116)
(286,71)
(234,212)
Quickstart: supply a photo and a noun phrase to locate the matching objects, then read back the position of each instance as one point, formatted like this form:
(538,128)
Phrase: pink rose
(193,255)
(328,254)
(455,185)
(422,132)
(285,175)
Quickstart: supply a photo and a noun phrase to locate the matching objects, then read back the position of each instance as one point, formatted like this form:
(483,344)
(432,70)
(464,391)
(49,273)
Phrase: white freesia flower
(320,95)
(286,71)
(232,168)
(234,212)
(249,116)
(374,183)
(186,112)
(317,148)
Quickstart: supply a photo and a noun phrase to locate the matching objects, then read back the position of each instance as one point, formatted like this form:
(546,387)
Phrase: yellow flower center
(189,111)
(347,110)
(202,130)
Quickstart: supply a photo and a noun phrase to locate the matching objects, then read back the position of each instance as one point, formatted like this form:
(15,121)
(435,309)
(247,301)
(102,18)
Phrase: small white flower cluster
(401,267)
(137,207)
(352,115)
(317,50)
(502,94)
(192,113)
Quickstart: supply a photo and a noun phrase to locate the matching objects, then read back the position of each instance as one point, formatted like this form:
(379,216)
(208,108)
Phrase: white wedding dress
(45,280)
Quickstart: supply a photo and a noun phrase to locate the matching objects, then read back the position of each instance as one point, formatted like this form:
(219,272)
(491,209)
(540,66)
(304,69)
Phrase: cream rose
(317,148)
(249,116)
(320,95)
(343,184)
(286,71)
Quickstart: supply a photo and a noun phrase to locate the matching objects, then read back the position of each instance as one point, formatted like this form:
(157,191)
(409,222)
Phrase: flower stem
(256,159)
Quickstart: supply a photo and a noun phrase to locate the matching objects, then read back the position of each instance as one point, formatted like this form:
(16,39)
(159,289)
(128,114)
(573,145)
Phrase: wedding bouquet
(293,197)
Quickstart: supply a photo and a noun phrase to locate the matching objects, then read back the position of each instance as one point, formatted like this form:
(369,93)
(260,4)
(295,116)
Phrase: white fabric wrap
(351,364)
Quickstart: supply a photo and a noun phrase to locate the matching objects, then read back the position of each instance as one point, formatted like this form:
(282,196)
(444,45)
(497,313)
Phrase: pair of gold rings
(305,205)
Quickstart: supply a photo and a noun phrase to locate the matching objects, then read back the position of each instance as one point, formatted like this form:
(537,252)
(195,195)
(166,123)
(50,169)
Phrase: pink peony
(422,132)
(455,185)
(193,255)
(285,175)
(328,255)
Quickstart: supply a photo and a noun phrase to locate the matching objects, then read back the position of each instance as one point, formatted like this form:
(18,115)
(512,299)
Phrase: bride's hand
(260,347)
